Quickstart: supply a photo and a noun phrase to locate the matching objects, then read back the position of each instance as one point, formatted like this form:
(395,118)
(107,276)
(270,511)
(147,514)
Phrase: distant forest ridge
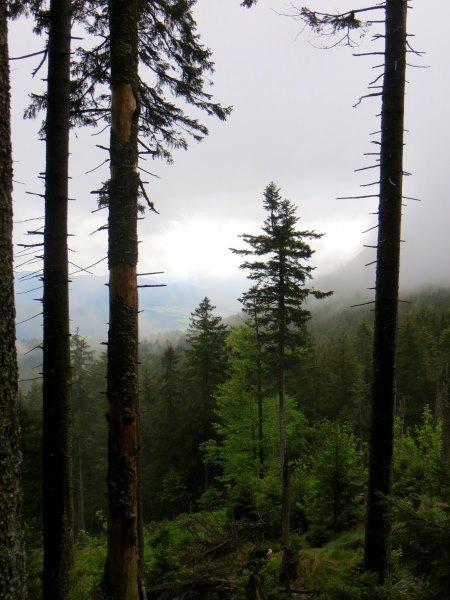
(330,319)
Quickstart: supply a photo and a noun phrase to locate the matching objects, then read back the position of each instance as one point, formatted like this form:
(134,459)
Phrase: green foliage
(173,491)
(169,47)
(344,389)
(268,500)
(237,448)
(422,536)
(30,415)
(206,366)
(211,499)
(90,554)
(280,271)
(339,479)
(164,432)
(419,467)
(355,584)
(162,565)
(34,560)
(414,382)
(242,498)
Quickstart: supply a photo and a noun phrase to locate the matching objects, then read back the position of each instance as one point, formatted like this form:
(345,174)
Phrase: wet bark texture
(122,569)
(386,290)
(57,452)
(12,555)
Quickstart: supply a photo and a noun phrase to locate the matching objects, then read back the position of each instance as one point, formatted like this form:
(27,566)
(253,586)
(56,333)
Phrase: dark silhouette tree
(12,555)
(277,265)
(376,556)
(57,466)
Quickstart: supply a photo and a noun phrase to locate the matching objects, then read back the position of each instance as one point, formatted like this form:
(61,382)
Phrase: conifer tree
(250,304)
(82,359)
(207,368)
(122,567)
(12,555)
(277,263)
(162,37)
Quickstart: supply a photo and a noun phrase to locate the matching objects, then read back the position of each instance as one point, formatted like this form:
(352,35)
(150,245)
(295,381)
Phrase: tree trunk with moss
(386,290)
(12,555)
(122,569)
(57,467)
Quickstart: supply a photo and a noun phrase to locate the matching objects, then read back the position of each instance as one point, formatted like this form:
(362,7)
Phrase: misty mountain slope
(168,308)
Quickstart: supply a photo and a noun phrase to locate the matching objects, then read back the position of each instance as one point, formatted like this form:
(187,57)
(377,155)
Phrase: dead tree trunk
(57,466)
(386,290)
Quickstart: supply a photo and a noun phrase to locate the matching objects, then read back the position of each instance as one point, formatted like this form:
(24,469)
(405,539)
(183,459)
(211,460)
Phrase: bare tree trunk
(12,555)
(386,290)
(57,465)
(122,580)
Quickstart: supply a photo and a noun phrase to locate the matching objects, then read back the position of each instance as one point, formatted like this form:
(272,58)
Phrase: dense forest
(291,452)
(205,483)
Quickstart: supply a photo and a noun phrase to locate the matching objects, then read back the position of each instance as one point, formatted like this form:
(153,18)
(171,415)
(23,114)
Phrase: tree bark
(386,290)
(122,579)
(12,555)
(57,466)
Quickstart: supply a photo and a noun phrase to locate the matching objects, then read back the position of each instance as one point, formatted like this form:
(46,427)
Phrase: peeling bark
(122,579)
(123,105)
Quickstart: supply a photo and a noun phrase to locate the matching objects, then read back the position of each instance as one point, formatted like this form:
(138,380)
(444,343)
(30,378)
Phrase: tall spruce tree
(162,36)
(122,568)
(277,264)
(12,555)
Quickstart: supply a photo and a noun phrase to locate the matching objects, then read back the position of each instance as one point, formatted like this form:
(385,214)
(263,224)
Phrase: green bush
(242,499)
(422,536)
(318,535)
(212,499)
(355,584)
(268,500)
(162,563)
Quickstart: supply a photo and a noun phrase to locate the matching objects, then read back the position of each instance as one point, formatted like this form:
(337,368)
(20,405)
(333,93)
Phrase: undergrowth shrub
(422,536)
(355,584)
(162,564)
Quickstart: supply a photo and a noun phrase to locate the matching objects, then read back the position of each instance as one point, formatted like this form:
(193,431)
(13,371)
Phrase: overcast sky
(293,123)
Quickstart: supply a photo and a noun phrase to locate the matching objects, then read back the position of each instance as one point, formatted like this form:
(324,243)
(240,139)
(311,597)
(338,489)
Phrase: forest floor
(206,556)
